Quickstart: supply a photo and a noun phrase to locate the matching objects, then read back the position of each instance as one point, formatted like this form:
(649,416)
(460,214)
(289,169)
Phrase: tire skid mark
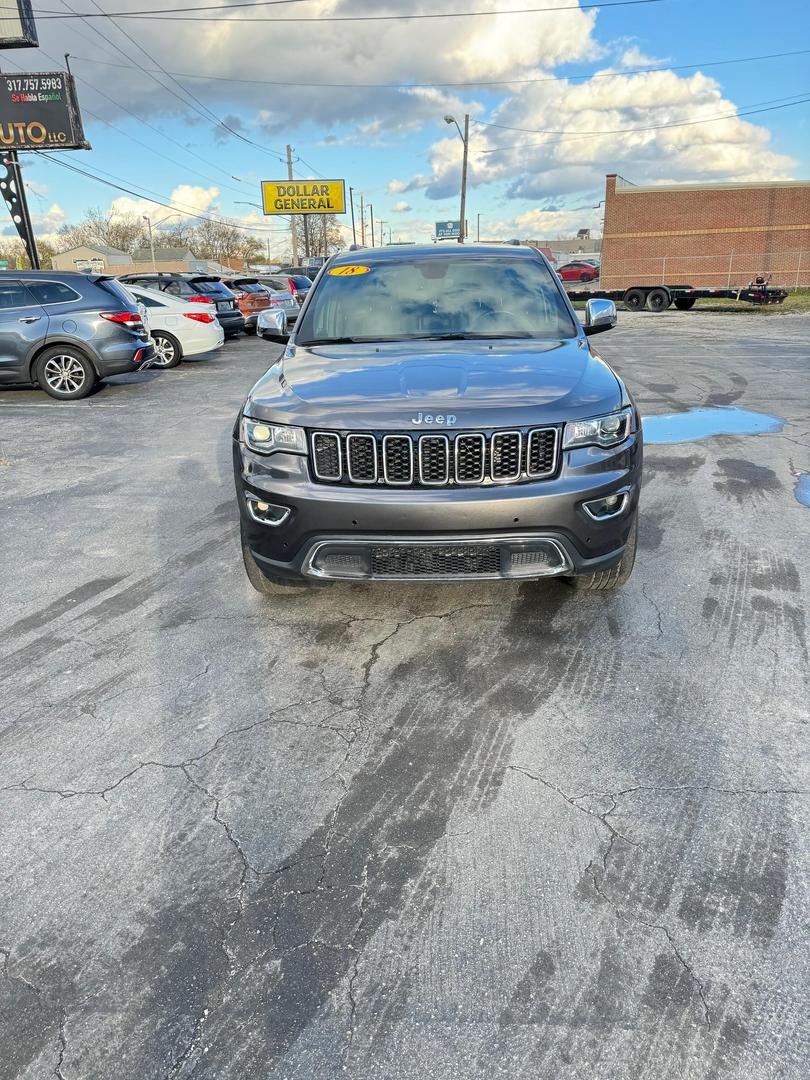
(750,602)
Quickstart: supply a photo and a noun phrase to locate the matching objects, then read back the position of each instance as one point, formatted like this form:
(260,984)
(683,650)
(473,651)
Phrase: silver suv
(422,425)
(64,331)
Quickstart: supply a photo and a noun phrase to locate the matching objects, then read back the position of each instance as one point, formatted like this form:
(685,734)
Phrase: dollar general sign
(304,196)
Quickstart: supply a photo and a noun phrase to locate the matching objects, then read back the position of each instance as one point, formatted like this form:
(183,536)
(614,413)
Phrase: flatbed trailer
(683,297)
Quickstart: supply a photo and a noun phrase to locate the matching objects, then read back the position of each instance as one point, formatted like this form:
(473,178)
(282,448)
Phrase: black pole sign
(39,111)
(17,29)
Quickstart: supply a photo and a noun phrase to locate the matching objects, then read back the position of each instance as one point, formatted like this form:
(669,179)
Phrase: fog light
(541,558)
(267,513)
(338,561)
(609,506)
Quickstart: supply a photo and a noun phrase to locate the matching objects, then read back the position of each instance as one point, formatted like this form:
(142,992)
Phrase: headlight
(271,438)
(607,430)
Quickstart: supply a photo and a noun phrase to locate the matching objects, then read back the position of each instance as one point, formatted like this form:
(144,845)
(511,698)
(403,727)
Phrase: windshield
(437,297)
(211,288)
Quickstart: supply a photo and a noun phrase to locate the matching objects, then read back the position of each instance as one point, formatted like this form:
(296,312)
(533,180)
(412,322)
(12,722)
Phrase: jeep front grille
(435,459)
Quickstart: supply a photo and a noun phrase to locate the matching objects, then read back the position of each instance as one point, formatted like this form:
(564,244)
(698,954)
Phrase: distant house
(92,258)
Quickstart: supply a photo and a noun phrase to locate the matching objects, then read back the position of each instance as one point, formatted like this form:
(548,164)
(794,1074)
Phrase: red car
(578,271)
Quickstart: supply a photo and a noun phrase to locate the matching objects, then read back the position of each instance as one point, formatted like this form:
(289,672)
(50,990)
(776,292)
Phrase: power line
(195,103)
(187,92)
(473,82)
(133,138)
(158,200)
(629,131)
(161,15)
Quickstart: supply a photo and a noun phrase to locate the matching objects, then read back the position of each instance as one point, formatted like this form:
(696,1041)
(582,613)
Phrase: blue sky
(393,145)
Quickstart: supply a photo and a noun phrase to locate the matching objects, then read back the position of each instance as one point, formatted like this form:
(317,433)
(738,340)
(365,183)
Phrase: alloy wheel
(64,374)
(165,351)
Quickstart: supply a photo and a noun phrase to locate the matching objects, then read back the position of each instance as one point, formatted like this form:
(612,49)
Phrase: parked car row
(64,330)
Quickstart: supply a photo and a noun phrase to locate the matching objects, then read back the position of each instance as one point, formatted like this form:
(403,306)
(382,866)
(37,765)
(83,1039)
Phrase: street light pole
(465,138)
(351,203)
(151,241)
(148,221)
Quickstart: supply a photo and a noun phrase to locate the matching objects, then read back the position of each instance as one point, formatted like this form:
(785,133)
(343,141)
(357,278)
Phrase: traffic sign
(448,230)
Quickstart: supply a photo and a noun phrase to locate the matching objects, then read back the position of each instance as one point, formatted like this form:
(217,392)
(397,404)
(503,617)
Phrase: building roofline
(731,186)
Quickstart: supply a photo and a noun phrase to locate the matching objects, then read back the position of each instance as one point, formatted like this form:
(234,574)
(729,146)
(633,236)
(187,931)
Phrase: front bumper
(494,514)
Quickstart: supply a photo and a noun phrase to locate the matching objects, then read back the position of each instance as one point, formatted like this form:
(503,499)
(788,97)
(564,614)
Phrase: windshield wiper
(346,341)
(469,336)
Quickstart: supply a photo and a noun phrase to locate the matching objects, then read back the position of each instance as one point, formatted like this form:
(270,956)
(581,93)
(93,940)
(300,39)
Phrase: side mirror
(600,315)
(272,325)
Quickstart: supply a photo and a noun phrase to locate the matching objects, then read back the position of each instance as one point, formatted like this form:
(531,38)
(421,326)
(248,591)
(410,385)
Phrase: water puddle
(703,423)
(802,488)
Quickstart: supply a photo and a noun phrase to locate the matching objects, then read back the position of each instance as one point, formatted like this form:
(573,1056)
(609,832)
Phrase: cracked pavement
(406,832)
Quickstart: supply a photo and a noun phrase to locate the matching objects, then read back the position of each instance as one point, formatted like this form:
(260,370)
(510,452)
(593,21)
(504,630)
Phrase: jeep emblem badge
(427,418)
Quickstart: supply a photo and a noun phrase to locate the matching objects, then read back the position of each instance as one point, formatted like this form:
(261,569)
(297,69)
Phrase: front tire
(268,586)
(65,373)
(168,350)
(605,580)
(685,304)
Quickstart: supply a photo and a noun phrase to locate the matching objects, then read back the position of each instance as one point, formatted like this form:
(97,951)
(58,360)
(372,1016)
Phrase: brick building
(705,234)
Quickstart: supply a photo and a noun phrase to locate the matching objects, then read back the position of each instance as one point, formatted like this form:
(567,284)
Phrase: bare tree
(123,231)
(322,233)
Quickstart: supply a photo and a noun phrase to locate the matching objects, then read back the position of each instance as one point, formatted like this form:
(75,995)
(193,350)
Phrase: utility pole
(293,237)
(462,220)
(362,221)
(351,202)
(382,225)
(371,219)
(307,252)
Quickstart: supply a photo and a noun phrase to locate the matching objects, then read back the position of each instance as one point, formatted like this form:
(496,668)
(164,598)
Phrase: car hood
(469,384)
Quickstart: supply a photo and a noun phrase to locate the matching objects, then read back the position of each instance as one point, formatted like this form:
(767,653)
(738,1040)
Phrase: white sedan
(178,328)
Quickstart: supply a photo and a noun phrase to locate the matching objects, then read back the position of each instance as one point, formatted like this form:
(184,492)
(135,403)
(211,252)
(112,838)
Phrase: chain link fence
(788,269)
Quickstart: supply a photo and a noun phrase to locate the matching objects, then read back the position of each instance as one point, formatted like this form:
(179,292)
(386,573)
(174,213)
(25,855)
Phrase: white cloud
(186,201)
(395,187)
(500,46)
(569,136)
(635,58)
(401,207)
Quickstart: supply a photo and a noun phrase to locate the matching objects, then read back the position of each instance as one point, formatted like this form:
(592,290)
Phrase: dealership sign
(17,29)
(304,196)
(39,111)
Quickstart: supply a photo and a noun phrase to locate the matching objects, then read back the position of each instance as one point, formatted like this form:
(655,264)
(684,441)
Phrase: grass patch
(797,303)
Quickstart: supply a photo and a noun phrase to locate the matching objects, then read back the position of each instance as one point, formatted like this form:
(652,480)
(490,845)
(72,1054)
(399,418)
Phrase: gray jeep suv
(423,425)
(64,331)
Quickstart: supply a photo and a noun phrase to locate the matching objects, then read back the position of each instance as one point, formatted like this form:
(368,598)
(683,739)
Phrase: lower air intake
(435,561)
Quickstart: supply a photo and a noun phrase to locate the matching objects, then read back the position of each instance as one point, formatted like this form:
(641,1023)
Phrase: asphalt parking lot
(411,832)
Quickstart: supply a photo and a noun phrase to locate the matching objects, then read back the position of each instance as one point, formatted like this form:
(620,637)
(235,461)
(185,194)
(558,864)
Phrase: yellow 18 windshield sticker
(349,271)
